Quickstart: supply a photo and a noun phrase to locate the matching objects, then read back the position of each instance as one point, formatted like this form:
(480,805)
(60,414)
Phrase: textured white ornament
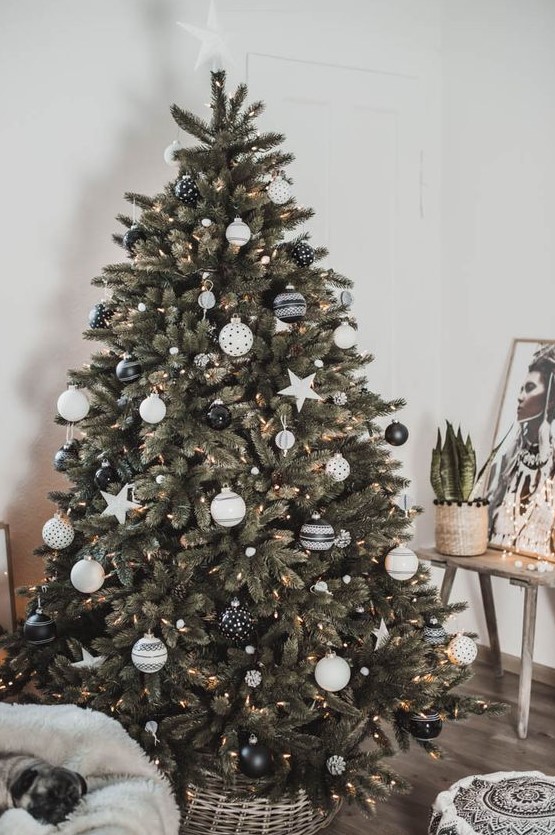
(346,579)
(236,338)
(179,624)
(141,307)
(253,678)
(206,222)
(250,650)
(338,467)
(255,471)
(265,260)
(401,563)
(87,575)
(160,479)
(336,765)
(285,440)
(58,532)
(320,586)
(250,551)
(344,336)
(332,673)
(279,191)
(174,351)
(462,650)
(339,398)
(364,671)
(73,404)
(228,508)
(149,654)
(207,300)
(319,363)
(238,233)
(152,409)
(201,360)
(343,539)
(169,157)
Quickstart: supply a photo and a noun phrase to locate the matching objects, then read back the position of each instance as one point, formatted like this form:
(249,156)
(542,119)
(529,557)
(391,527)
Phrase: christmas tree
(227,574)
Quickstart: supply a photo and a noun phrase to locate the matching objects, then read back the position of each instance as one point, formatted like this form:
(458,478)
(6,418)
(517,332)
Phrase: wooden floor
(478,746)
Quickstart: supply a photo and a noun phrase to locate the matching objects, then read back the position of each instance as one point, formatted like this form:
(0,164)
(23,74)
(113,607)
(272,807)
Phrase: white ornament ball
(250,650)
(253,678)
(174,351)
(279,191)
(338,467)
(345,336)
(141,307)
(73,404)
(87,576)
(206,222)
(58,532)
(250,551)
(332,673)
(152,409)
(364,671)
(149,654)
(346,579)
(319,363)
(285,440)
(179,624)
(160,479)
(265,260)
(236,338)
(336,765)
(207,300)
(462,650)
(169,157)
(238,233)
(255,471)
(228,508)
(401,563)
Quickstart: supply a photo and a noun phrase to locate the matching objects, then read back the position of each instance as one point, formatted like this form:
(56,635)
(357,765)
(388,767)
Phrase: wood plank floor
(478,746)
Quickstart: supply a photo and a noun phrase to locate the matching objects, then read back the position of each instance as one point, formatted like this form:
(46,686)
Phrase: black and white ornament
(434,633)
(317,534)
(303,254)
(149,653)
(343,539)
(338,468)
(100,315)
(105,475)
(253,678)
(236,338)
(73,404)
(401,563)
(228,508)
(67,454)
(336,765)
(39,629)
(344,336)
(132,237)
(236,622)
(128,369)
(87,575)
(425,726)
(58,532)
(462,650)
(187,191)
(339,398)
(279,191)
(255,760)
(153,409)
(201,360)
(170,151)
(396,433)
(218,416)
(332,673)
(289,306)
(238,233)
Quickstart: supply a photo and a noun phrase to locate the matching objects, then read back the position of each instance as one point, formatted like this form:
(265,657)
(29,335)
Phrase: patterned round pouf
(504,803)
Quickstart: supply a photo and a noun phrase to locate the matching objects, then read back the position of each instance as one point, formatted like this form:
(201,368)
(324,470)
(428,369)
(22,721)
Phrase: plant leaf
(449,467)
(435,473)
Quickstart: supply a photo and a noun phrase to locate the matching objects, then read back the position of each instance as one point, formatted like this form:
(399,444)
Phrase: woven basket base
(461,530)
(213,811)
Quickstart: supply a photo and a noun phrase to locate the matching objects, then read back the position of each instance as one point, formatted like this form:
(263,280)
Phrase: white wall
(85,95)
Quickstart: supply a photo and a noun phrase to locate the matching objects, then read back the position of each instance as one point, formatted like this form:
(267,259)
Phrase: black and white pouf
(519,803)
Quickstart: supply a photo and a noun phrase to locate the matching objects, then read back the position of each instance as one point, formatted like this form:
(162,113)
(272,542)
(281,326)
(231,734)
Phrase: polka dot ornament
(99,316)
(149,654)
(236,622)
(58,532)
(303,254)
(462,651)
(338,467)
(279,191)
(235,338)
(186,190)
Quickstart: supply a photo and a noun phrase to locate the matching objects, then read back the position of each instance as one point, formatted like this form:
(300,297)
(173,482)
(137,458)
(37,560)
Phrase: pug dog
(49,793)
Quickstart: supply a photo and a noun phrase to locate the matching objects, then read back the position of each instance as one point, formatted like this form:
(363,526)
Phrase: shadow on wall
(136,164)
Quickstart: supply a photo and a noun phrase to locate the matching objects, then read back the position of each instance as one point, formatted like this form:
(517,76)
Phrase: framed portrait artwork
(520,482)
(7,602)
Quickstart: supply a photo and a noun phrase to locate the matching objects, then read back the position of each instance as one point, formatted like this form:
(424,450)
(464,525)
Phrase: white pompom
(73,404)
(152,409)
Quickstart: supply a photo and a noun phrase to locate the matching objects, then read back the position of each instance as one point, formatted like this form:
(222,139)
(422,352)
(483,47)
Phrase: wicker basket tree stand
(461,528)
(211,810)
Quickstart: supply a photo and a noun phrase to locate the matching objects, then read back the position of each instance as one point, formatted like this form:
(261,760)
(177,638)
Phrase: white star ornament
(301,389)
(382,634)
(214,49)
(119,505)
(89,661)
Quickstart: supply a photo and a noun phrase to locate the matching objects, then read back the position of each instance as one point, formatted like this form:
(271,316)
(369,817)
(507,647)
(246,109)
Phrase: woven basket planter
(462,529)
(211,810)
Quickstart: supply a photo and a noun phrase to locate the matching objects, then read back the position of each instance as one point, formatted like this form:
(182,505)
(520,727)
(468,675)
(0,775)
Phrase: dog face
(48,793)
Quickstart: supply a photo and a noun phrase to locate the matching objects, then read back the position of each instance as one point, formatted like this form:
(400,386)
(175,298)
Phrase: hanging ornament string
(134,215)
(151,727)
(70,431)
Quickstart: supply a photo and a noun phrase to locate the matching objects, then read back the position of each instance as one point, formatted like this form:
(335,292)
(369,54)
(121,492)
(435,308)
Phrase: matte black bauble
(255,759)
(396,433)
(132,237)
(128,369)
(186,190)
(100,315)
(67,454)
(105,475)
(218,416)
(39,629)
(303,254)
(236,623)
(425,726)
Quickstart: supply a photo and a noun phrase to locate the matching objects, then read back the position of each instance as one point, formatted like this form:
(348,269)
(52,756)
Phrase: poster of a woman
(520,485)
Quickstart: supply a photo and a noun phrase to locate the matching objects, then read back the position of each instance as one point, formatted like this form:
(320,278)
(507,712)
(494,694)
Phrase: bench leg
(447,584)
(528,634)
(491,620)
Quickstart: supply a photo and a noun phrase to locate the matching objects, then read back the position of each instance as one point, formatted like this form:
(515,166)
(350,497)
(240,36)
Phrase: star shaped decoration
(214,49)
(89,662)
(382,634)
(119,505)
(301,389)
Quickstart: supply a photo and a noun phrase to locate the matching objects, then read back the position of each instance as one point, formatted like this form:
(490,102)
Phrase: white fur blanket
(126,793)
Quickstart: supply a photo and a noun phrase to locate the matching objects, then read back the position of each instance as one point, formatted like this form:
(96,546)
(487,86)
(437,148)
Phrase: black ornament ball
(128,369)
(396,433)
(303,254)
(105,475)
(289,306)
(236,623)
(100,315)
(186,190)
(218,416)
(425,725)
(132,237)
(255,760)
(39,629)
(317,534)
(67,454)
